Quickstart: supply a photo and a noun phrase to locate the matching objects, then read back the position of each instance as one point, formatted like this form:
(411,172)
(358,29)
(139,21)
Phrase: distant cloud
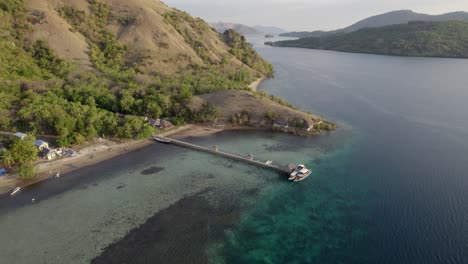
(307,14)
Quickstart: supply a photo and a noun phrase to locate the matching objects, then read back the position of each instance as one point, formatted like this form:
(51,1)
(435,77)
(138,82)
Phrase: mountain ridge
(385,19)
(418,38)
(221,27)
(246,30)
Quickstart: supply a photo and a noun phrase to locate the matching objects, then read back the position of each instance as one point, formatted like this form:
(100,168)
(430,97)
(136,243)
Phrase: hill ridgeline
(421,39)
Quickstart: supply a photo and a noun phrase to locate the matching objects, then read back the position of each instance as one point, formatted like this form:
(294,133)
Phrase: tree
(23,150)
(27,171)
(126,101)
(153,109)
(185,94)
(5,119)
(7,158)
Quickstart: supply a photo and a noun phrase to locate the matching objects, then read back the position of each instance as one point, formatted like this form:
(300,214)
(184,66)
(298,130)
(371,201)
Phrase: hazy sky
(307,14)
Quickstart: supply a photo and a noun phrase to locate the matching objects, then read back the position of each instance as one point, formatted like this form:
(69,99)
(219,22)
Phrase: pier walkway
(281,169)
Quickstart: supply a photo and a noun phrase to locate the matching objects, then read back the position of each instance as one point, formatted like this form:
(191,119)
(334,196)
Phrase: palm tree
(7,158)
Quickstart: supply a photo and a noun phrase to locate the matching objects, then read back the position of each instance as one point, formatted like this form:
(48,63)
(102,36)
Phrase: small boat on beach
(268,162)
(299,173)
(15,190)
(162,140)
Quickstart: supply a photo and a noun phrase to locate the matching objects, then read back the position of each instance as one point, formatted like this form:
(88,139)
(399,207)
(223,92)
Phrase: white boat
(17,189)
(268,162)
(162,140)
(299,173)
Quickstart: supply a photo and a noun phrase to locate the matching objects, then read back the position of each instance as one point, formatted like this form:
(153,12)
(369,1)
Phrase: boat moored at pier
(299,173)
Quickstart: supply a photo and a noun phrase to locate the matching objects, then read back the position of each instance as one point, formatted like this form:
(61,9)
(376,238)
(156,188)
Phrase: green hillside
(421,39)
(68,68)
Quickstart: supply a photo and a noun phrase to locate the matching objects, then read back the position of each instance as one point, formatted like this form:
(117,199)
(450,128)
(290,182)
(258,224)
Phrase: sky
(307,14)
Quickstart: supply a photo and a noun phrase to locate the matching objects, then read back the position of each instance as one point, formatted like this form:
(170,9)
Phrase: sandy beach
(196,131)
(100,150)
(92,153)
(88,154)
(253,86)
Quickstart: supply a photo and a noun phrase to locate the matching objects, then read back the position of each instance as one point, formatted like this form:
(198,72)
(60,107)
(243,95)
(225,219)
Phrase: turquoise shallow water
(316,221)
(156,204)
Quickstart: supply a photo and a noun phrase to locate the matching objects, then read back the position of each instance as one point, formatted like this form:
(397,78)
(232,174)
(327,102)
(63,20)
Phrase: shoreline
(254,85)
(88,154)
(100,150)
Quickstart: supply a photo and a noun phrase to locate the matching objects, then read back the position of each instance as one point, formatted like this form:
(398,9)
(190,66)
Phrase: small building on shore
(160,123)
(166,124)
(50,154)
(41,144)
(20,135)
(154,122)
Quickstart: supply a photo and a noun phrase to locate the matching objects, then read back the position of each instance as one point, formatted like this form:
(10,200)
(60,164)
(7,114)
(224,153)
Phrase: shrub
(297,123)
(271,116)
(322,125)
(209,113)
(27,171)
(128,20)
(241,119)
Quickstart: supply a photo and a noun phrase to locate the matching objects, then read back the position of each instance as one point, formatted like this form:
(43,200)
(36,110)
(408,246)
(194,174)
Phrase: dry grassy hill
(244,108)
(50,26)
(159,39)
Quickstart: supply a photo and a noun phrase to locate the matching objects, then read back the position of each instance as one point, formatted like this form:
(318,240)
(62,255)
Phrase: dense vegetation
(243,51)
(23,152)
(221,73)
(39,95)
(431,39)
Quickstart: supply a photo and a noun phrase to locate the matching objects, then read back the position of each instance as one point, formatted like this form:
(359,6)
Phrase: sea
(390,185)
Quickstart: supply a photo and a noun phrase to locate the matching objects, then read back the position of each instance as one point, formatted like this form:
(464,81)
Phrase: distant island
(269,36)
(270,29)
(418,38)
(221,27)
(246,30)
(386,19)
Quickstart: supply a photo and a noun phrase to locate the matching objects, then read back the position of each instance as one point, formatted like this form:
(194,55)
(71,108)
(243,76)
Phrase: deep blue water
(398,193)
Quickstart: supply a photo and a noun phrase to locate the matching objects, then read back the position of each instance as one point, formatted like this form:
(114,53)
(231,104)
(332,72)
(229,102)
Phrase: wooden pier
(281,169)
